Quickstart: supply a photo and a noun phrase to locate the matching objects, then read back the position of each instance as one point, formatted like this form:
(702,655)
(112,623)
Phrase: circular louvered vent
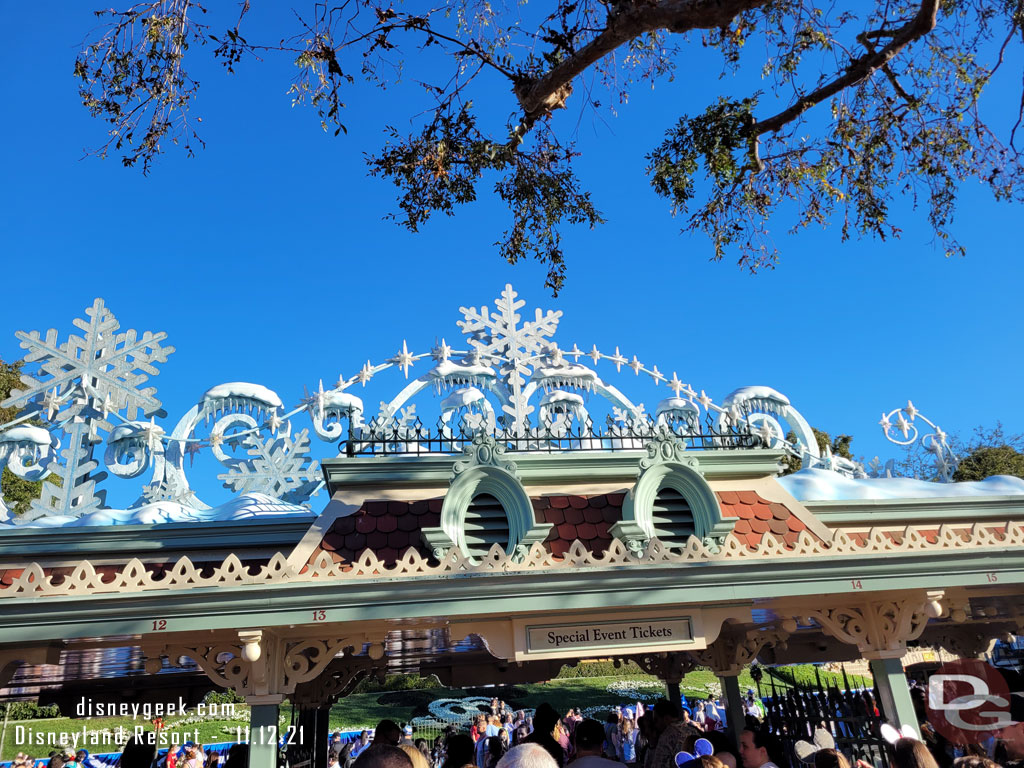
(486,524)
(672,517)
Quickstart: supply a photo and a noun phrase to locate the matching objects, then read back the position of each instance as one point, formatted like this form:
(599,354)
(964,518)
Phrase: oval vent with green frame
(484,525)
(482,483)
(671,517)
(670,501)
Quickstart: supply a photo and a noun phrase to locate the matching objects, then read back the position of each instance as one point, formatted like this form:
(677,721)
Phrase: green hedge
(28,710)
(397,683)
(224,696)
(803,676)
(603,668)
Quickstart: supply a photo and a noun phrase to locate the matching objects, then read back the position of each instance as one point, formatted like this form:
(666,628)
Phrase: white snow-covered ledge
(249,506)
(823,485)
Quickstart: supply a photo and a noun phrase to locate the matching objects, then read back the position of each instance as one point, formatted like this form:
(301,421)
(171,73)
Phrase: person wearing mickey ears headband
(821,752)
(908,749)
(701,757)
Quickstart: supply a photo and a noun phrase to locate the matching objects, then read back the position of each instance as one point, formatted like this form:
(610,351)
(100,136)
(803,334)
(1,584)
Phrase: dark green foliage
(418,700)
(840,446)
(439,169)
(989,451)
(397,683)
(27,710)
(604,668)
(805,676)
(17,493)
(716,141)
(989,461)
(224,696)
(504,692)
(790,464)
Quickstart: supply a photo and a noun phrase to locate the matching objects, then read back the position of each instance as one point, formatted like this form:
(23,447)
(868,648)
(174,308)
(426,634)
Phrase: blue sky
(265,258)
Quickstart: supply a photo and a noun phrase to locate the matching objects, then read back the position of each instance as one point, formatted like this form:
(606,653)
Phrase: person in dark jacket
(544,721)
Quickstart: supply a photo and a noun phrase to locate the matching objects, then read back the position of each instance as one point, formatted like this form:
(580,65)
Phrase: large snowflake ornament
(278,466)
(78,385)
(500,337)
(500,334)
(102,368)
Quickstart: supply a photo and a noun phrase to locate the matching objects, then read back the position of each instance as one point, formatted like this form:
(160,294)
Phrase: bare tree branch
(538,96)
(859,69)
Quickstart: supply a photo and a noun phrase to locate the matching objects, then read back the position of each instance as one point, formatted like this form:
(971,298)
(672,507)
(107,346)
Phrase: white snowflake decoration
(104,366)
(78,385)
(280,467)
(501,338)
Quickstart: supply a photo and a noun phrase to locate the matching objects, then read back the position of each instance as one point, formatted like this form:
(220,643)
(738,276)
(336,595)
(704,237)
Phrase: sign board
(597,635)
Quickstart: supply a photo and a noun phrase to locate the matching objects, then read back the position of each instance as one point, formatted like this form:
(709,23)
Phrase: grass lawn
(367,709)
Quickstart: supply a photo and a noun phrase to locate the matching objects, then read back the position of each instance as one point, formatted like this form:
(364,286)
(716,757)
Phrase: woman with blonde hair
(624,741)
(415,755)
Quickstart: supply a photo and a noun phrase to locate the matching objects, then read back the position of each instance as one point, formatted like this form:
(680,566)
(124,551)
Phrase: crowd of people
(142,755)
(630,737)
(58,758)
(663,736)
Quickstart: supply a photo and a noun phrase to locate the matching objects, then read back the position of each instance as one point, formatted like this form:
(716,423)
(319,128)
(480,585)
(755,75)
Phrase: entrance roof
(545,516)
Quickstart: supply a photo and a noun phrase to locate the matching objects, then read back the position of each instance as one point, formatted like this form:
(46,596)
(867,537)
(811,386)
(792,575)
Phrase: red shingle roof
(758,516)
(587,518)
(389,528)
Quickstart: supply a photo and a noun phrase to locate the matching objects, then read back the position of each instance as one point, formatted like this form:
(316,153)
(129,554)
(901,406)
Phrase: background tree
(16,492)
(990,460)
(840,446)
(839,110)
(989,451)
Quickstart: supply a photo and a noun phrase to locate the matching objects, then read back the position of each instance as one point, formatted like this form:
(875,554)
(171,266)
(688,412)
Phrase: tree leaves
(903,82)
(440,168)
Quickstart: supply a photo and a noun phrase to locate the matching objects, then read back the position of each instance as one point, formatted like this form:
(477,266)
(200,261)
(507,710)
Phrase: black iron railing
(853,717)
(403,437)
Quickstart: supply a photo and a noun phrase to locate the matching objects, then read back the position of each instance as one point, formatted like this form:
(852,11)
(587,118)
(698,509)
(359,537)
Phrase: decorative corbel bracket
(12,658)
(259,664)
(735,648)
(340,678)
(968,640)
(879,628)
(670,667)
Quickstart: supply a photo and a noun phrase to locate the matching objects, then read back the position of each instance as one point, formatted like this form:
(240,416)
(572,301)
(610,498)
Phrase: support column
(321,736)
(670,668)
(263,730)
(674,693)
(894,692)
(734,705)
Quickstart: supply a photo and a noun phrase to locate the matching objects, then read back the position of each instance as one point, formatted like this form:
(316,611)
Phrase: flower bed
(637,690)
